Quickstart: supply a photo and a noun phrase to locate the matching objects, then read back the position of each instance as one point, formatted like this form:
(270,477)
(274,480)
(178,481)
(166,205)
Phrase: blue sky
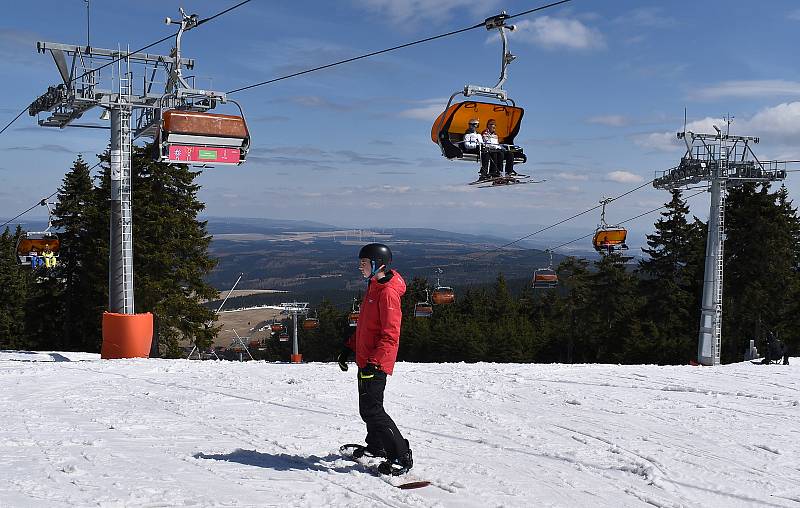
(604,85)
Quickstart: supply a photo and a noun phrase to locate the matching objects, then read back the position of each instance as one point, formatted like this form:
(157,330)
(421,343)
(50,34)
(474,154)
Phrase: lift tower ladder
(721,160)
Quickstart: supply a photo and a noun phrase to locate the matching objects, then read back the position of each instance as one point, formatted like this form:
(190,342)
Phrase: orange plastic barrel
(296,358)
(126,335)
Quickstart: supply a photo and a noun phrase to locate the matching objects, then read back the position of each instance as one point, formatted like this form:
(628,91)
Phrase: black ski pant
(381,429)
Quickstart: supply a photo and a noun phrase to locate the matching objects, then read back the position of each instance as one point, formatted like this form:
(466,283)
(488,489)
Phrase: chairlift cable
(170,36)
(210,18)
(39,203)
(15,119)
(387,50)
(562,221)
(624,221)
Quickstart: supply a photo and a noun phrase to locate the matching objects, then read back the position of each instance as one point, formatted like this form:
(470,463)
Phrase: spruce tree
(760,266)
(83,259)
(13,293)
(566,334)
(666,284)
(615,335)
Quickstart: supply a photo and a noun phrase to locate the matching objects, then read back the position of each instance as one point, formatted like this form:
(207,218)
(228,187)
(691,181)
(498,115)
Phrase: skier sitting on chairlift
(35,259)
(473,143)
(49,257)
(497,152)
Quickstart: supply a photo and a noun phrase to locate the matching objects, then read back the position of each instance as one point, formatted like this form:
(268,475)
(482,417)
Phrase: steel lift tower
(719,160)
(123,98)
(295,309)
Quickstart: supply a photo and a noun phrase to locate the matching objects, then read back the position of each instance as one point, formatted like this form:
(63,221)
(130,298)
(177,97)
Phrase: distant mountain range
(310,256)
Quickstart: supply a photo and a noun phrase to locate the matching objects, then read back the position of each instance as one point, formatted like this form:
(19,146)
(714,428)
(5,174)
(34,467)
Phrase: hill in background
(310,258)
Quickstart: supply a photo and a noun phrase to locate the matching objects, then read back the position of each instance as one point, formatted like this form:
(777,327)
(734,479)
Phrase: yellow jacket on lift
(49,258)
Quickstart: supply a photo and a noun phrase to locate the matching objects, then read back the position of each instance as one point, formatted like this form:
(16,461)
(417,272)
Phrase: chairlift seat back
(443,296)
(449,128)
(353,319)
(610,237)
(423,310)
(545,278)
(36,242)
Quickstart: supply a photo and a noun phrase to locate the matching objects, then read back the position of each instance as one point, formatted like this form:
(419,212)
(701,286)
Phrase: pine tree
(566,330)
(789,313)
(760,265)
(13,293)
(615,335)
(666,284)
(83,259)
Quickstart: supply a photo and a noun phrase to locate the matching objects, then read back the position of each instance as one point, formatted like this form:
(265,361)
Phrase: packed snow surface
(79,431)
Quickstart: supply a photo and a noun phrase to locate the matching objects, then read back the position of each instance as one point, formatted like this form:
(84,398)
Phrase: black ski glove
(369,371)
(344,354)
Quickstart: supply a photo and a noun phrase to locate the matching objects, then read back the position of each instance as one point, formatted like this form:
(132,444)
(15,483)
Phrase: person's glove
(344,354)
(369,371)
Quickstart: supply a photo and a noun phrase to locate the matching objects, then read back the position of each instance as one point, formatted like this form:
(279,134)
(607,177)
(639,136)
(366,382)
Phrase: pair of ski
(347,451)
(501,181)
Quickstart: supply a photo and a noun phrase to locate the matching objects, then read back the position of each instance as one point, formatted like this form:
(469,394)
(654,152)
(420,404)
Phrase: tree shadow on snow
(281,461)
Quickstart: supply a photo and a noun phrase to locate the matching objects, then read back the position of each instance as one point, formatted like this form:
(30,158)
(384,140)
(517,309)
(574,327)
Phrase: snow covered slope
(78,431)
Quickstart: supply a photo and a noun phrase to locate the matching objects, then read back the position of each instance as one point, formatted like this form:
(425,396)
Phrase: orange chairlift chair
(544,278)
(352,318)
(442,295)
(609,238)
(449,128)
(424,309)
(311,323)
(39,248)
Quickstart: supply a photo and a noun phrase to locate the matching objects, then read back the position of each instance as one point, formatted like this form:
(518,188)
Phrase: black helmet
(378,253)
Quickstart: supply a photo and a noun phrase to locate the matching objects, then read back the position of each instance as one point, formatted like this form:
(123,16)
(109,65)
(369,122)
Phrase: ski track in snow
(79,431)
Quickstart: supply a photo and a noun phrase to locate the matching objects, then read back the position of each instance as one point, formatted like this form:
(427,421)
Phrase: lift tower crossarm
(71,49)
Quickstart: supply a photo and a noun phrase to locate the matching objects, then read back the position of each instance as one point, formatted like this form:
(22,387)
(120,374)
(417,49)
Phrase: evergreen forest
(604,310)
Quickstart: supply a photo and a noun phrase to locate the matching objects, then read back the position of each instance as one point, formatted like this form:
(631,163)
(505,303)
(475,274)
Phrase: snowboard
(372,467)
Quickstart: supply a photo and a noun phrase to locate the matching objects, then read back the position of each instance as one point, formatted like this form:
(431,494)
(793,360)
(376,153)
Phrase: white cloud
(795,15)
(623,177)
(389,189)
(404,11)
(555,33)
(649,17)
(571,176)
(609,120)
(749,88)
(424,109)
(778,124)
(427,113)
(669,142)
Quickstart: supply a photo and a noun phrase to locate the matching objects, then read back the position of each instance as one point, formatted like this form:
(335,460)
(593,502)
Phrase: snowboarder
(375,343)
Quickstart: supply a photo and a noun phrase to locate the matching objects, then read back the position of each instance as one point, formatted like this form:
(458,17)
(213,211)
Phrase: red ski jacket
(377,335)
